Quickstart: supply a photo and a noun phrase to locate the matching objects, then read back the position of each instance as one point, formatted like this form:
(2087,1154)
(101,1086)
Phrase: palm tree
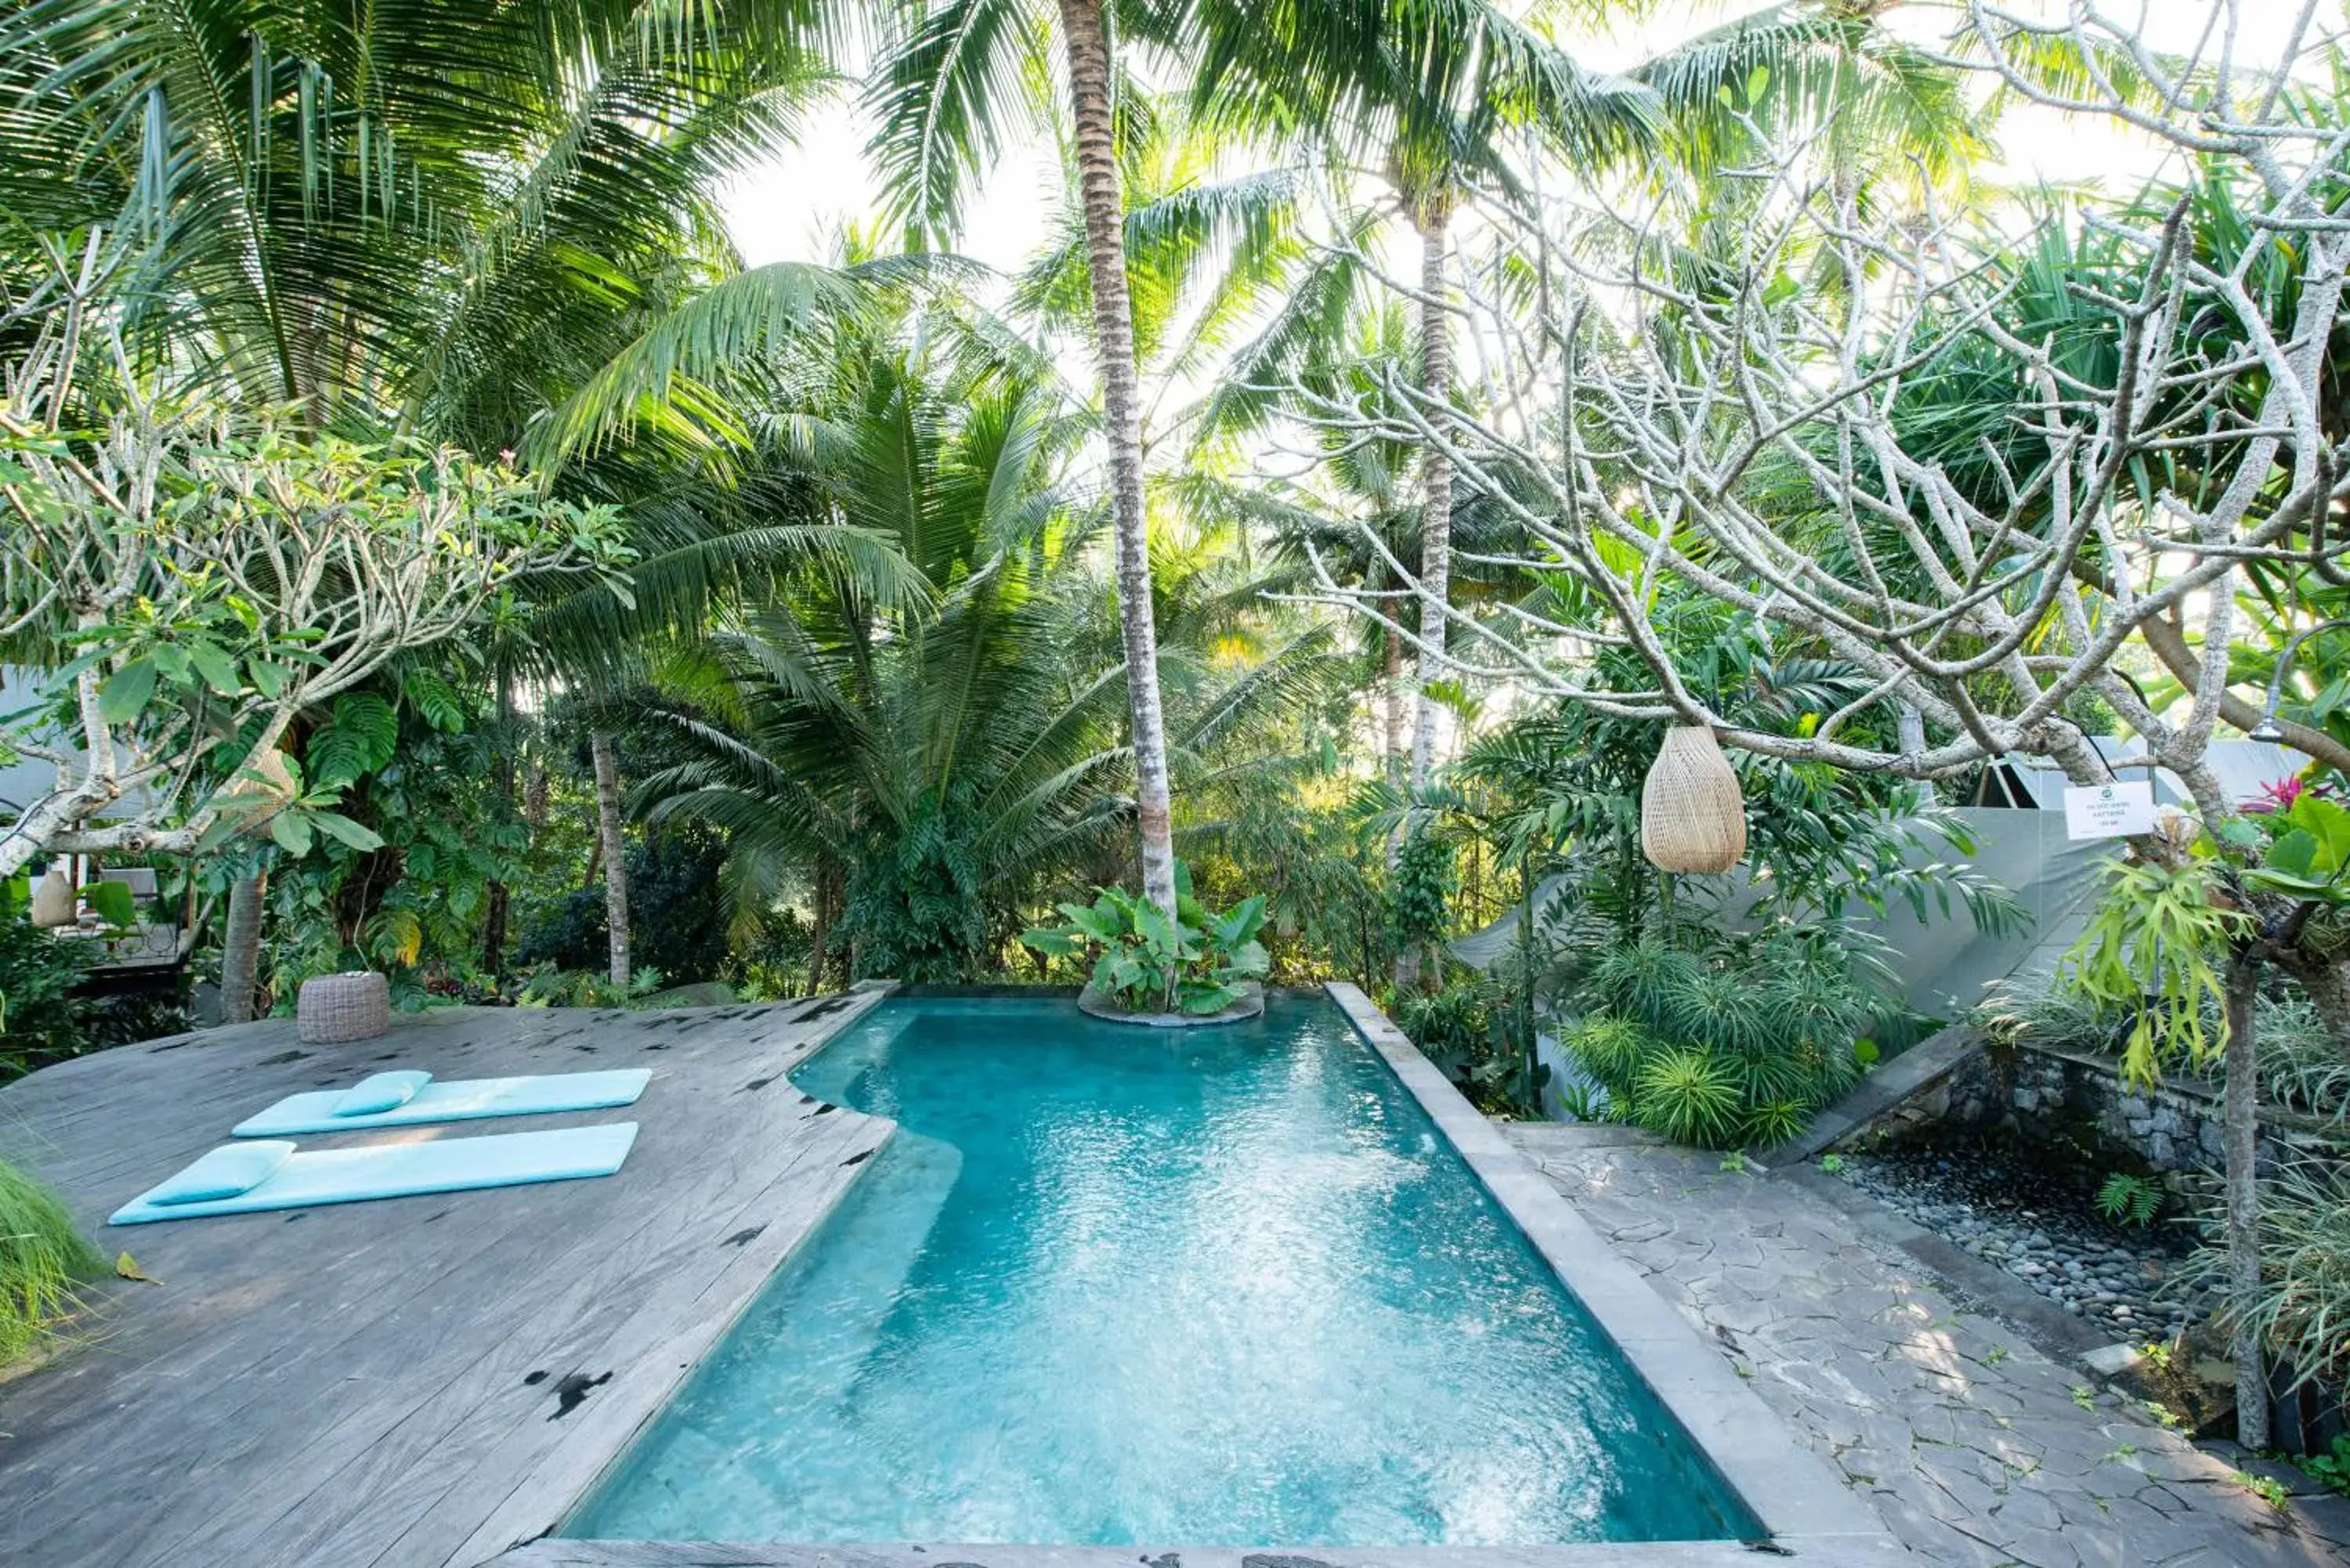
(931,766)
(962,68)
(930,756)
(1430,94)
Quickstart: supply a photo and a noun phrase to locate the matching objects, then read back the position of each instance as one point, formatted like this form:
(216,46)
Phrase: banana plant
(1194,961)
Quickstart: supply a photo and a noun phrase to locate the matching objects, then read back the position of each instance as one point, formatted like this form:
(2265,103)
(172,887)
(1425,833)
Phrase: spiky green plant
(1690,1097)
(1777,1019)
(43,1262)
(2301,1312)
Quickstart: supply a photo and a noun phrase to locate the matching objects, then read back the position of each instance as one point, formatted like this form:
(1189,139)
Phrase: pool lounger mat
(411,1099)
(243,1178)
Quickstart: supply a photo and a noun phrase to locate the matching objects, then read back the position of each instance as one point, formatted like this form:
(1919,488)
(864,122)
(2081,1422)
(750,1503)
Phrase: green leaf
(359,835)
(2294,853)
(124,696)
(436,699)
(113,902)
(2328,825)
(1101,924)
(291,829)
(218,670)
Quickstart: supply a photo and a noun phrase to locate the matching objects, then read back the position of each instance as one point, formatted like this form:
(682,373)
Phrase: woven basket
(1693,816)
(54,900)
(264,789)
(335,1008)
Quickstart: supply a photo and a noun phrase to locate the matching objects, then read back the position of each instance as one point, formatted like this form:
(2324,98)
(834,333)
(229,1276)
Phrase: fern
(2128,1199)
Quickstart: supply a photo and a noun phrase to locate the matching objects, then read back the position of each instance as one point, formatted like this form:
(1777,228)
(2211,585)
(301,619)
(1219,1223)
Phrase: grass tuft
(43,1260)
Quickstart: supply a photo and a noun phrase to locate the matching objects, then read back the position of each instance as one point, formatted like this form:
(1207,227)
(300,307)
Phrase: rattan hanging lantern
(264,789)
(1693,816)
(52,899)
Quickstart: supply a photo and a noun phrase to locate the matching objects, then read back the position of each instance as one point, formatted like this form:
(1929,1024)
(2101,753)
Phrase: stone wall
(2036,1092)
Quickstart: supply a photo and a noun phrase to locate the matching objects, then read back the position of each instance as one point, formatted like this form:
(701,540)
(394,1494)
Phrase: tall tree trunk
(240,947)
(1436,474)
(1435,518)
(1090,102)
(1391,702)
(611,850)
(493,923)
(2243,1132)
(821,939)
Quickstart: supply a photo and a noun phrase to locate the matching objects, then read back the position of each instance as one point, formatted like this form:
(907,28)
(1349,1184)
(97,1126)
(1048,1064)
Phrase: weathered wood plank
(352,1384)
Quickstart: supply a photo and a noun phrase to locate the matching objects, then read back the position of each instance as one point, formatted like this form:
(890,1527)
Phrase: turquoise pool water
(1110,1285)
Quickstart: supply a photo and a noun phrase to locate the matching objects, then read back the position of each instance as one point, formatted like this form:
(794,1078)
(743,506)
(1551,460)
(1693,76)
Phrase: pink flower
(2279,794)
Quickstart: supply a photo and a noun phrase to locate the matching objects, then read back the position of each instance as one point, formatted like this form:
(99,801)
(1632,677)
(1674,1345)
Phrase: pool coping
(1810,1516)
(606,1428)
(1803,1505)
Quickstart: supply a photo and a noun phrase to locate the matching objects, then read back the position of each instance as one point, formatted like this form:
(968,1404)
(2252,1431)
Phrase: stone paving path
(1977,1449)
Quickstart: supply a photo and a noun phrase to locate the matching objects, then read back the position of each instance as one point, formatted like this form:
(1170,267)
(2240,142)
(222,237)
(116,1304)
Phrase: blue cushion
(383,1092)
(227,1172)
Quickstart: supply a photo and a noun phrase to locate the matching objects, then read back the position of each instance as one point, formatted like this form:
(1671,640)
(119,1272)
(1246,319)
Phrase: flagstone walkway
(1977,1449)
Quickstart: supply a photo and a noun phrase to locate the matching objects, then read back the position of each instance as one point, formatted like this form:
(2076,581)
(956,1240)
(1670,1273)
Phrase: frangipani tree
(1981,475)
(189,578)
(1755,420)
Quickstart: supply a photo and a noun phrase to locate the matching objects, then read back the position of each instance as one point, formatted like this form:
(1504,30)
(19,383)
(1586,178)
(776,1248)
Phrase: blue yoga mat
(317,1176)
(466,1100)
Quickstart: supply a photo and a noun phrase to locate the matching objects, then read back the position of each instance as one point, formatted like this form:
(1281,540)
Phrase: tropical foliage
(432,547)
(1197,963)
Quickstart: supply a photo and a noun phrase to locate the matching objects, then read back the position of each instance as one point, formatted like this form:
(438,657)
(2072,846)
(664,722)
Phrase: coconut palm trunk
(1436,474)
(1391,750)
(240,947)
(1436,526)
(1088,43)
(610,850)
(493,923)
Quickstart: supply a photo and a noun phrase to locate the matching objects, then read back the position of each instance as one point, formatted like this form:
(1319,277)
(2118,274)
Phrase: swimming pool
(1109,1285)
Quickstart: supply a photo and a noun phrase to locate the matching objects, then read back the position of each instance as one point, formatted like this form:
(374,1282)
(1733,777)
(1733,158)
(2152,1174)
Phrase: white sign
(2108,810)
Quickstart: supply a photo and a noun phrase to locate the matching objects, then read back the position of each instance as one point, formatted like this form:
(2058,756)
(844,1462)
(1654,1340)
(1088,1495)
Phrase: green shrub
(2331,1469)
(1452,1027)
(1420,892)
(42,1261)
(41,1019)
(1734,1043)
(585,988)
(1611,1050)
(1689,1096)
(914,907)
(2303,1310)
(676,917)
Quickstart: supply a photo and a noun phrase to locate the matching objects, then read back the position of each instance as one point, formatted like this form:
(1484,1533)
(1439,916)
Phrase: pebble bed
(2054,1242)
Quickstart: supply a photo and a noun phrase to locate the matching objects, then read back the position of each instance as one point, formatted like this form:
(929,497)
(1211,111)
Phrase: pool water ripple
(1109,1285)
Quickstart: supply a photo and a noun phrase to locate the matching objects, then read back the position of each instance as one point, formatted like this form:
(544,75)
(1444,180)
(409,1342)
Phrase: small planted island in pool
(1113,1286)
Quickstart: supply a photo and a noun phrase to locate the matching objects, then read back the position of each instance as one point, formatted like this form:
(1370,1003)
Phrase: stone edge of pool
(1800,1501)
(1806,1510)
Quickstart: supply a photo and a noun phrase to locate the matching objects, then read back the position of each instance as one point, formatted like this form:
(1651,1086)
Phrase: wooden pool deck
(415,1381)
